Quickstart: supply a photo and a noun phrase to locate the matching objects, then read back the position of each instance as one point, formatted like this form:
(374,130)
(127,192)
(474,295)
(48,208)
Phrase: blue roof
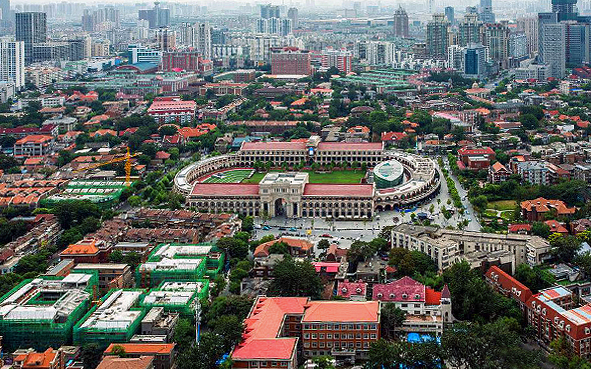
(143,66)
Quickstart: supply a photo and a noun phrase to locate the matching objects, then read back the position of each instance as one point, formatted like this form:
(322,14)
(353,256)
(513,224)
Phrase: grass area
(230,176)
(507,215)
(490,213)
(340,176)
(502,205)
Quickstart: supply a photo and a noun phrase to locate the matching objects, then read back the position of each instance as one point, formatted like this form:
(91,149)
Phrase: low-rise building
(34,145)
(163,354)
(167,111)
(537,209)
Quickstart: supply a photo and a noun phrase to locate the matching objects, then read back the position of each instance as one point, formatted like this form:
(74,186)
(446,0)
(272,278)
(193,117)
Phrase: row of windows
(336,345)
(264,364)
(341,327)
(343,336)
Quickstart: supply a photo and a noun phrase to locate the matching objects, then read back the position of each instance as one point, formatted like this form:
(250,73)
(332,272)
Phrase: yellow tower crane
(126,158)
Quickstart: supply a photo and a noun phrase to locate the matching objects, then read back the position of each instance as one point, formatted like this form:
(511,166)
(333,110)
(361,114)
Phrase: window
(365,335)
(321,336)
(283,363)
(358,326)
(358,344)
(336,335)
(329,344)
(306,326)
(307,345)
(374,336)
(273,363)
(358,336)
(321,345)
(351,336)
(314,344)
(314,336)
(263,364)
(329,336)
(307,335)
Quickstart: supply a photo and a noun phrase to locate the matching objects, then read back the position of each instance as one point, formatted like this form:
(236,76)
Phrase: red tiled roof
(338,311)
(404,289)
(273,146)
(263,248)
(114,362)
(393,136)
(476,151)
(514,228)
(143,348)
(327,266)
(347,289)
(320,189)
(349,146)
(225,189)
(542,205)
(508,284)
(262,327)
(432,297)
(34,139)
(39,360)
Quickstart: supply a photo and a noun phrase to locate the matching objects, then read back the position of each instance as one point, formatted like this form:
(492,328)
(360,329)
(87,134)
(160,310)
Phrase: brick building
(536,210)
(167,111)
(475,158)
(34,145)
(277,328)
(290,61)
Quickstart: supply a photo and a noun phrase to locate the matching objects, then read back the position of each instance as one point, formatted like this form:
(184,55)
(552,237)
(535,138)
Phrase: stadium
(303,181)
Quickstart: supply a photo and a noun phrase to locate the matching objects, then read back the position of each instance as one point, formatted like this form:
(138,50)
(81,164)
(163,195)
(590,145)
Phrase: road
(474,224)
(347,231)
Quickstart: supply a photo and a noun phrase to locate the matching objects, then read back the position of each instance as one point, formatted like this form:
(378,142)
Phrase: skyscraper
(203,39)
(577,41)
(474,61)
(496,38)
(400,23)
(157,16)
(566,9)
(5,10)
(469,30)
(31,28)
(449,14)
(437,37)
(292,14)
(166,39)
(485,12)
(543,20)
(554,48)
(270,11)
(12,62)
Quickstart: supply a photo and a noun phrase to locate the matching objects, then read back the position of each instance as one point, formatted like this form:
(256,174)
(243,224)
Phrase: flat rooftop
(43,299)
(114,313)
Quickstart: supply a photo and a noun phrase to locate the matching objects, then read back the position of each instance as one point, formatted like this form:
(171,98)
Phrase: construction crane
(126,158)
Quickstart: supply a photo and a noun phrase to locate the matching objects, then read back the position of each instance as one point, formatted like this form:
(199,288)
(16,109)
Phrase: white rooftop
(114,313)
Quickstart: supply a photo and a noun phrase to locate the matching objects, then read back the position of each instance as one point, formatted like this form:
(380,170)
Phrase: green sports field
(230,176)
(342,177)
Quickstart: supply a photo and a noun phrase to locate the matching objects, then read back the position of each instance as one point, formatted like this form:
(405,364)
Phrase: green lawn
(230,176)
(502,205)
(341,176)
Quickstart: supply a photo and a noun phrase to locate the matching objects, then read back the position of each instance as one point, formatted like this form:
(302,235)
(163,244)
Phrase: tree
(480,202)
(535,278)
(228,305)
(231,328)
(211,348)
(564,247)
(295,278)
(248,224)
(392,318)
(562,356)
(73,213)
(236,248)
(487,346)
(473,298)
(323,244)
(118,350)
(541,229)
(91,355)
(279,248)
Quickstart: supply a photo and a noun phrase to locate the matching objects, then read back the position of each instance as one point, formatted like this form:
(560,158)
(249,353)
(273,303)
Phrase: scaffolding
(115,319)
(178,262)
(41,312)
(177,296)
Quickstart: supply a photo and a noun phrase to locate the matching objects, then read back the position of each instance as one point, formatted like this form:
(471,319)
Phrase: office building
(376,52)
(31,28)
(12,62)
(577,43)
(104,19)
(565,9)
(143,54)
(437,37)
(474,61)
(292,14)
(455,57)
(518,46)
(543,20)
(400,22)
(554,49)
(157,16)
(5,10)
(449,14)
(485,13)
(469,30)
(184,60)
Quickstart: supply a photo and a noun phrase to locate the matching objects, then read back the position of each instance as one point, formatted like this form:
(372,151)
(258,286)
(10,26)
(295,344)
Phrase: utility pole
(197,320)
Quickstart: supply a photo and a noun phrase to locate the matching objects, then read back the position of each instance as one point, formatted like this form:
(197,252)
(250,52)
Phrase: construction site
(179,262)
(42,312)
(105,194)
(115,319)
(180,297)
